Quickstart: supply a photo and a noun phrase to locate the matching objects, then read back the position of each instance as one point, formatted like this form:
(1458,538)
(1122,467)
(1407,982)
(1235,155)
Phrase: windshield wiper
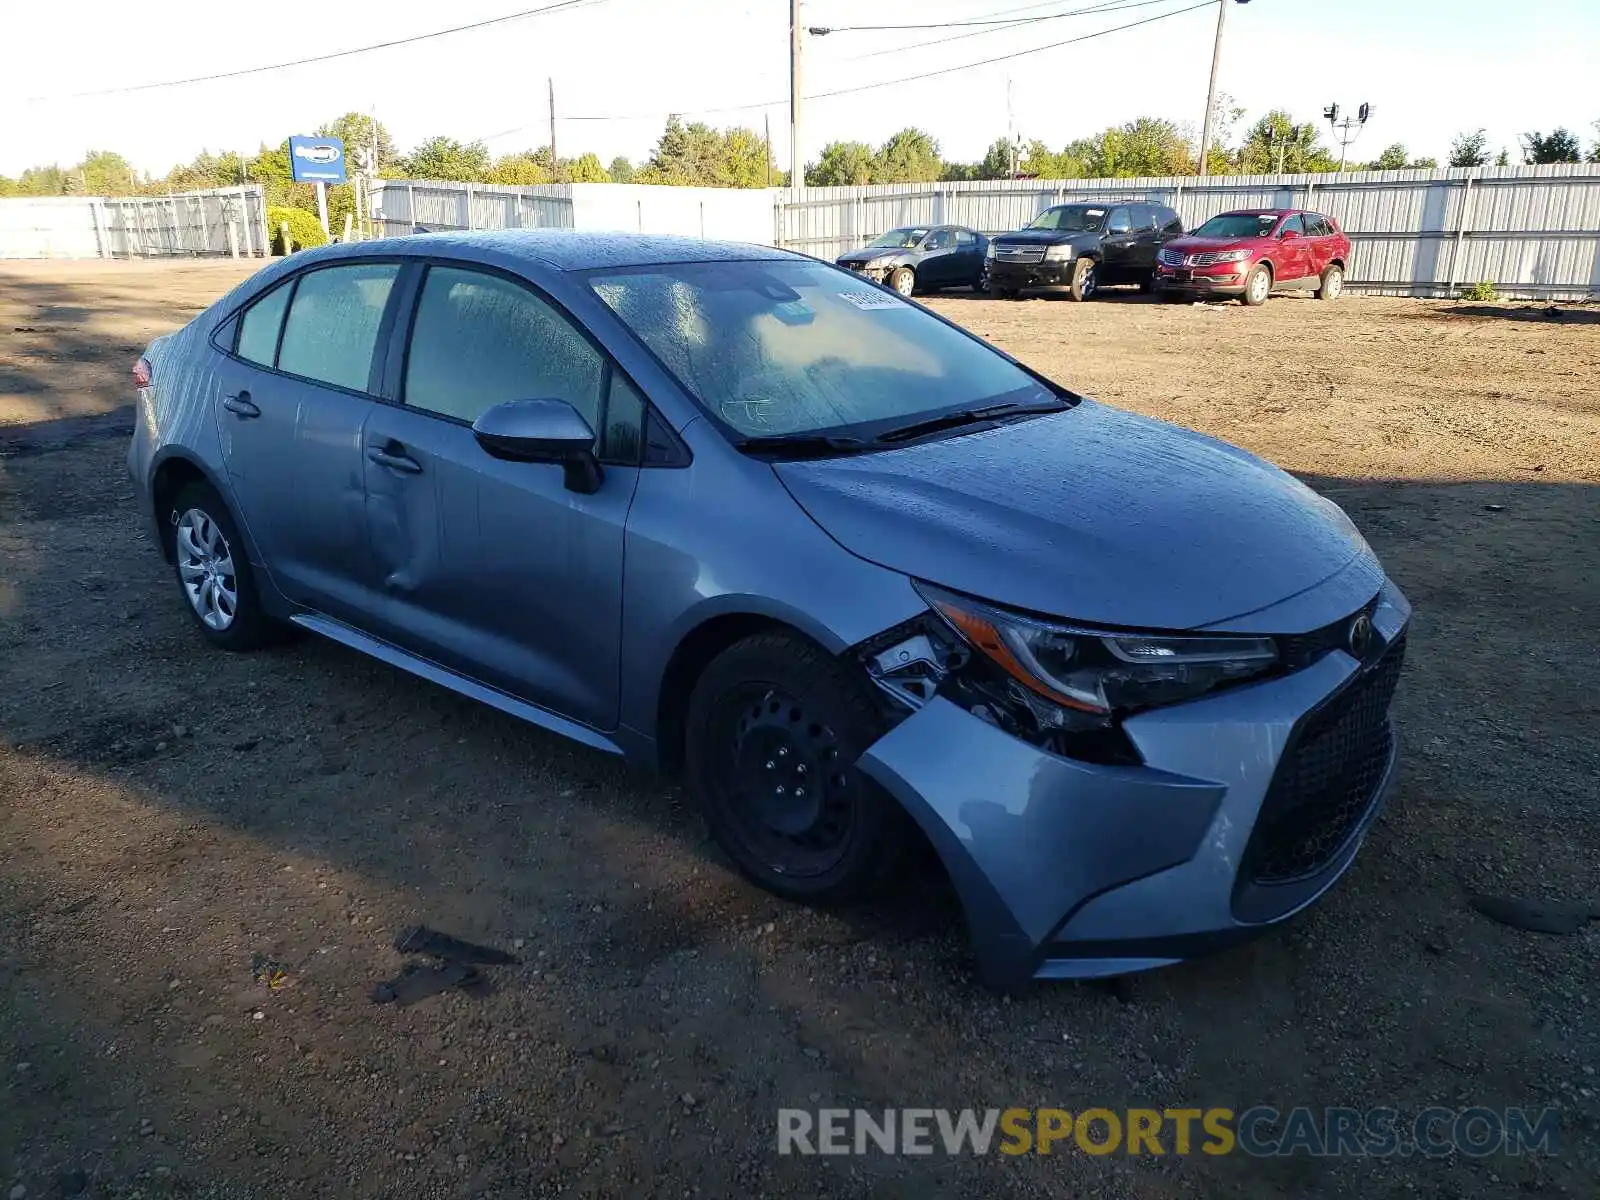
(803,445)
(968,416)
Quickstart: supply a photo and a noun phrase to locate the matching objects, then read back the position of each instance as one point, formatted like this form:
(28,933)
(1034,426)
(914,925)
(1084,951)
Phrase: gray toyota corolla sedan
(853,570)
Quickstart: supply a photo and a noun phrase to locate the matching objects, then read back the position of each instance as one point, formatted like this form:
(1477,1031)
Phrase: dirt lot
(168,813)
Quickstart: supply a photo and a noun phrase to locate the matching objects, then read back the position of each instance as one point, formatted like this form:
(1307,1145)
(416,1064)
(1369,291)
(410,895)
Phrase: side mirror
(1120,228)
(548,431)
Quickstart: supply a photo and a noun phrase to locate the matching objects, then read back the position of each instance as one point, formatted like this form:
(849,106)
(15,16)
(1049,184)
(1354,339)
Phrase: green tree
(697,155)
(843,164)
(1300,145)
(1561,146)
(621,170)
(1147,146)
(997,159)
(445,158)
(1503,159)
(104,173)
(1039,162)
(1393,158)
(910,156)
(357,130)
(586,168)
(1470,149)
(519,170)
(955,172)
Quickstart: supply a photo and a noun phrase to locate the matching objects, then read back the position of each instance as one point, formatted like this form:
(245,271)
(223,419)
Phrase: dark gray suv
(1075,248)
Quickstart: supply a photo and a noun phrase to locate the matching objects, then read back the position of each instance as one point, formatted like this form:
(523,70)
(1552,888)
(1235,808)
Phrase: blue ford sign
(317,159)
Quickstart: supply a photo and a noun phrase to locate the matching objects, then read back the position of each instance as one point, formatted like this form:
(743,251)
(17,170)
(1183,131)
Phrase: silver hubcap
(205,566)
(1335,284)
(903,281)
(1088,279)
(1258,286)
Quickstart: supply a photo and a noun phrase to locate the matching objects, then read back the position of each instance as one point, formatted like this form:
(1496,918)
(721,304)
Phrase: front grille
(1171,258)
(1327,779)
(1208,258)
(1018,254)
(1299,650)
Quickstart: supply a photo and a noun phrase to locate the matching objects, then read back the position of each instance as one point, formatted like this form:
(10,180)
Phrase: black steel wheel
(775,728)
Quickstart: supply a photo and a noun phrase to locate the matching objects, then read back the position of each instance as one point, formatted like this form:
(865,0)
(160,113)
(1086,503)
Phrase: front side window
(258,328)
(480,340)
(332,327)
(964,238)
(1292,225)
(1071,218)
(899,239)
(940,240)
(790,347)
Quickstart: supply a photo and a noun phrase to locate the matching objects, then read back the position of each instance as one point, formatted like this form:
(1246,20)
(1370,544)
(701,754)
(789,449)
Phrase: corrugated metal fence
(1532,231)
(225,221)
(401,206)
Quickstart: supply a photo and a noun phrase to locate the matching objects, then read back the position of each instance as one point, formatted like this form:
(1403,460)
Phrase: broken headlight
(1076,678)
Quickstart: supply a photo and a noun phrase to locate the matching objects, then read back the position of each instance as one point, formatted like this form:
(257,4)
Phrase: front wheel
(903,280)
(996,292)
(1147,285)
(775,726)
(1084,279)
(1258,286)
(1332,283)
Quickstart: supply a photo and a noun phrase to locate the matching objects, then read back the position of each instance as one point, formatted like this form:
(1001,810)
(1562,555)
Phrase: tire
(1168,296)
(1332,283)
(1147,285)
(208,555)
(1257,286)
(1085,278)
(903,280)
(1001,293)
(776,707)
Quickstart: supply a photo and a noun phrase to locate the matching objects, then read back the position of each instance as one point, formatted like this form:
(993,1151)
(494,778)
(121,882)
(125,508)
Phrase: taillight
(141,373)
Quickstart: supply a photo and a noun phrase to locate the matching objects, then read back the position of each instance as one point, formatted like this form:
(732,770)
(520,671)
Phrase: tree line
(697,154)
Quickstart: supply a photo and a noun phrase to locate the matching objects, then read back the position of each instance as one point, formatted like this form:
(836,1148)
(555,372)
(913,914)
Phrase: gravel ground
(168,814)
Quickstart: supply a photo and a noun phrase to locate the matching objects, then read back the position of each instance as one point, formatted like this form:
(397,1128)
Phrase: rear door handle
(395,459)
(241,405)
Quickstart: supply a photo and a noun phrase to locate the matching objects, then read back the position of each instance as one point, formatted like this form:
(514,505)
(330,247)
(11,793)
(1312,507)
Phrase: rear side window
(332,328)
(480,340)
(1317,225)
(258,330)
(963,238)
(1171,223)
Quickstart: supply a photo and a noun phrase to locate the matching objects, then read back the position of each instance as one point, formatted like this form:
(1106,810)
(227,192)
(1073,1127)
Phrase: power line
(883,83)
(1107,7)
(994,19)
(317,58)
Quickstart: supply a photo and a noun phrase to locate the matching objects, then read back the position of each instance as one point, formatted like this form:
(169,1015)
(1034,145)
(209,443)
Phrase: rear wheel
(1332,283)
(1258,285)
(903,280)
(1085,278)
(213,571)
(1147,285)
(775,727)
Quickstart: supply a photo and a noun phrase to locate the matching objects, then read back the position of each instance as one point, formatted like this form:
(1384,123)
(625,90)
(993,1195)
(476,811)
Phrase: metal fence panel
(402,206)
(225,221)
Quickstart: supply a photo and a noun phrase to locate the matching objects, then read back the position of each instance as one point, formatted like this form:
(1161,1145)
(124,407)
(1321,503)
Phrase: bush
(1482,290)
(304,229)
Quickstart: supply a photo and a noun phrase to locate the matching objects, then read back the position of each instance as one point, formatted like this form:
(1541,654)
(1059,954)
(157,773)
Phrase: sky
(1430,68)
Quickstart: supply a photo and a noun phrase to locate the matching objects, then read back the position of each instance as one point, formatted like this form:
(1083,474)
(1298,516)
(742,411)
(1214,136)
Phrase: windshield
(1070,218)
(899,239)
(1235,225)
(792,347)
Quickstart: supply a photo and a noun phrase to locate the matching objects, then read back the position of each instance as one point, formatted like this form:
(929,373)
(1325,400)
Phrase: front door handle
(394,458)
(241,405)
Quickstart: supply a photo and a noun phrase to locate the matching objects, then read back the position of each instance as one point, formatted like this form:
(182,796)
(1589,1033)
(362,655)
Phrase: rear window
(332,328)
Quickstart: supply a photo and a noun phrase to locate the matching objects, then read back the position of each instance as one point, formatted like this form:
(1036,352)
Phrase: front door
(1119,247)
(1294,250)
(936,268)
(494,568)
(291,406)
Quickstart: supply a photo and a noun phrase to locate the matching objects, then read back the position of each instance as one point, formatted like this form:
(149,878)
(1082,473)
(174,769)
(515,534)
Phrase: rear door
(489,567)
(296,393)
(968,258)
(1147,227)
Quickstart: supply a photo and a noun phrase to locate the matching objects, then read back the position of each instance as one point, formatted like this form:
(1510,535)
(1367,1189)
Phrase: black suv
(1077,247)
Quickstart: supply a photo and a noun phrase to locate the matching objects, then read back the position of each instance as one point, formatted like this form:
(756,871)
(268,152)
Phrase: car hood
(1045,237)
(866,256)
(1093,514)
(1190,244)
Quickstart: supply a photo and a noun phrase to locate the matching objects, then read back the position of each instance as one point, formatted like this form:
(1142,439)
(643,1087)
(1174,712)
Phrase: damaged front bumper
(1250,803)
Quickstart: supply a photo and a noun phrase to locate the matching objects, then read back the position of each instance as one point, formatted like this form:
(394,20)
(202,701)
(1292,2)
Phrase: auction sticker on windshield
(866,300)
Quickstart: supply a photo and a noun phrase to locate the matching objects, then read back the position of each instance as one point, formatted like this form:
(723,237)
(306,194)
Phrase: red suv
(1250,253)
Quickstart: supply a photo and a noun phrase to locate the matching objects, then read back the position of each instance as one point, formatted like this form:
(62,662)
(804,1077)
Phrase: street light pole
(797,177)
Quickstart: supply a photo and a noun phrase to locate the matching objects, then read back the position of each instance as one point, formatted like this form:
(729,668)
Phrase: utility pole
(766,143)
(1211,92)
(554,169)
(797,176)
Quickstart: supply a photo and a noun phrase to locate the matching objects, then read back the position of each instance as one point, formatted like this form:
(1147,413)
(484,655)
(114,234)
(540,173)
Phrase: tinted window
(963,238)
(333,323)
(1171,223)
(940,240)
(1293,224)
(781,347)
(625,409)
(480,340)
(258,331)
(1317,225)
(1119,220)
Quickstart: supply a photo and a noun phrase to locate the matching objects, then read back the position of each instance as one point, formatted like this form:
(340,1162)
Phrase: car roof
(1265,212)
(565,249)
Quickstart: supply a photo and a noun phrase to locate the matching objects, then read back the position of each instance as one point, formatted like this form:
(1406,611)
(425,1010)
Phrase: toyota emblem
(1360,636)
